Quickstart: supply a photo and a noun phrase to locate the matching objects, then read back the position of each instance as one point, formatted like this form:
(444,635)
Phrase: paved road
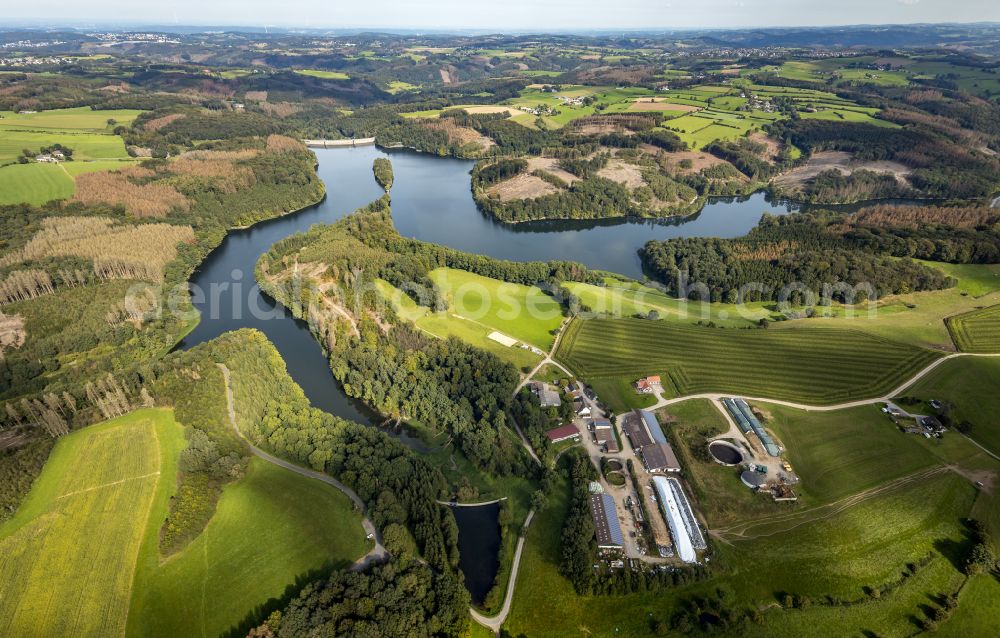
(495,622)
(715,396)
(378,553)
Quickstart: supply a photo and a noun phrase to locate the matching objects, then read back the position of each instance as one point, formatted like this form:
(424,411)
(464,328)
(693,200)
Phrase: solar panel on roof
(614,527)
(653,426)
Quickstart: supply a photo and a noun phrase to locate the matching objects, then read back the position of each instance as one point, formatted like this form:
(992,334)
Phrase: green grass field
(69,555)
(68,120)
(326,75)
(447,324)
(81,556)
(970,385)
(813,366)
(977,331)
(86,146)
(522,312)
(34,183)
(973,279)
(270,528)
(845,451)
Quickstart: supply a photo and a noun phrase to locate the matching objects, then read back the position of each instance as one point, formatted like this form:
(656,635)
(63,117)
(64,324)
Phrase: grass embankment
(810,366)
(81,555)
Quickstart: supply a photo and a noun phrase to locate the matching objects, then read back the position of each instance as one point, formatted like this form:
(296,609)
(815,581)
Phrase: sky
(499,15)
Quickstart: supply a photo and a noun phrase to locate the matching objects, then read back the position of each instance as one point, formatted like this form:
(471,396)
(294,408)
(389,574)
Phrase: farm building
(648,385)
(563,433)
(747,421)
(635,430)
(655,432)
(548,396)
(680,519)
(604,435)
(659,458)
(647,438)
(607,529)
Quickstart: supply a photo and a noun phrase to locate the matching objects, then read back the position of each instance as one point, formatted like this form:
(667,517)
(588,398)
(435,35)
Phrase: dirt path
(378,553)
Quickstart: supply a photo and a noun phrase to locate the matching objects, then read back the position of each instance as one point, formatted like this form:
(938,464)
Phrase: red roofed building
(648,385)
(563,433)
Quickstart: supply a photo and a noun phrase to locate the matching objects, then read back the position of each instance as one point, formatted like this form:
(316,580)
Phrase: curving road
(715,396)
(378,553)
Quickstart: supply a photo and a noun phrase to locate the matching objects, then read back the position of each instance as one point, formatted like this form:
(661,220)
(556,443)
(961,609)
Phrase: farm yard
(806,365)
(870,536)
(84,546)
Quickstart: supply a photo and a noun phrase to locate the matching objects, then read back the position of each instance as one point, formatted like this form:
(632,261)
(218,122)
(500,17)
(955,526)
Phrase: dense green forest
(390,600)
(791,257)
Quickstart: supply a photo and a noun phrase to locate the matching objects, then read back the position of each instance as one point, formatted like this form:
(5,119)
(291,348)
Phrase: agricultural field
(973,279)
(81,556)
(977,331)
(76,120)
(844,451)
(86,146)
(274,518)
(324,75)
(70,553)
(446,324)
(522,312)
(83,130)
(970,385)
(813,366)
(34,183)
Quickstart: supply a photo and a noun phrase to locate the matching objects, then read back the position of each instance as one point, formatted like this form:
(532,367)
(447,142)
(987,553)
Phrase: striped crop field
(976,331)
(817,366)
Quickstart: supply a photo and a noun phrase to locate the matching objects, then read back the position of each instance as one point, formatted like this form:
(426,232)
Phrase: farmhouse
(548,396)
(649,385)
(563,433)
(607,529)
(45,158)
